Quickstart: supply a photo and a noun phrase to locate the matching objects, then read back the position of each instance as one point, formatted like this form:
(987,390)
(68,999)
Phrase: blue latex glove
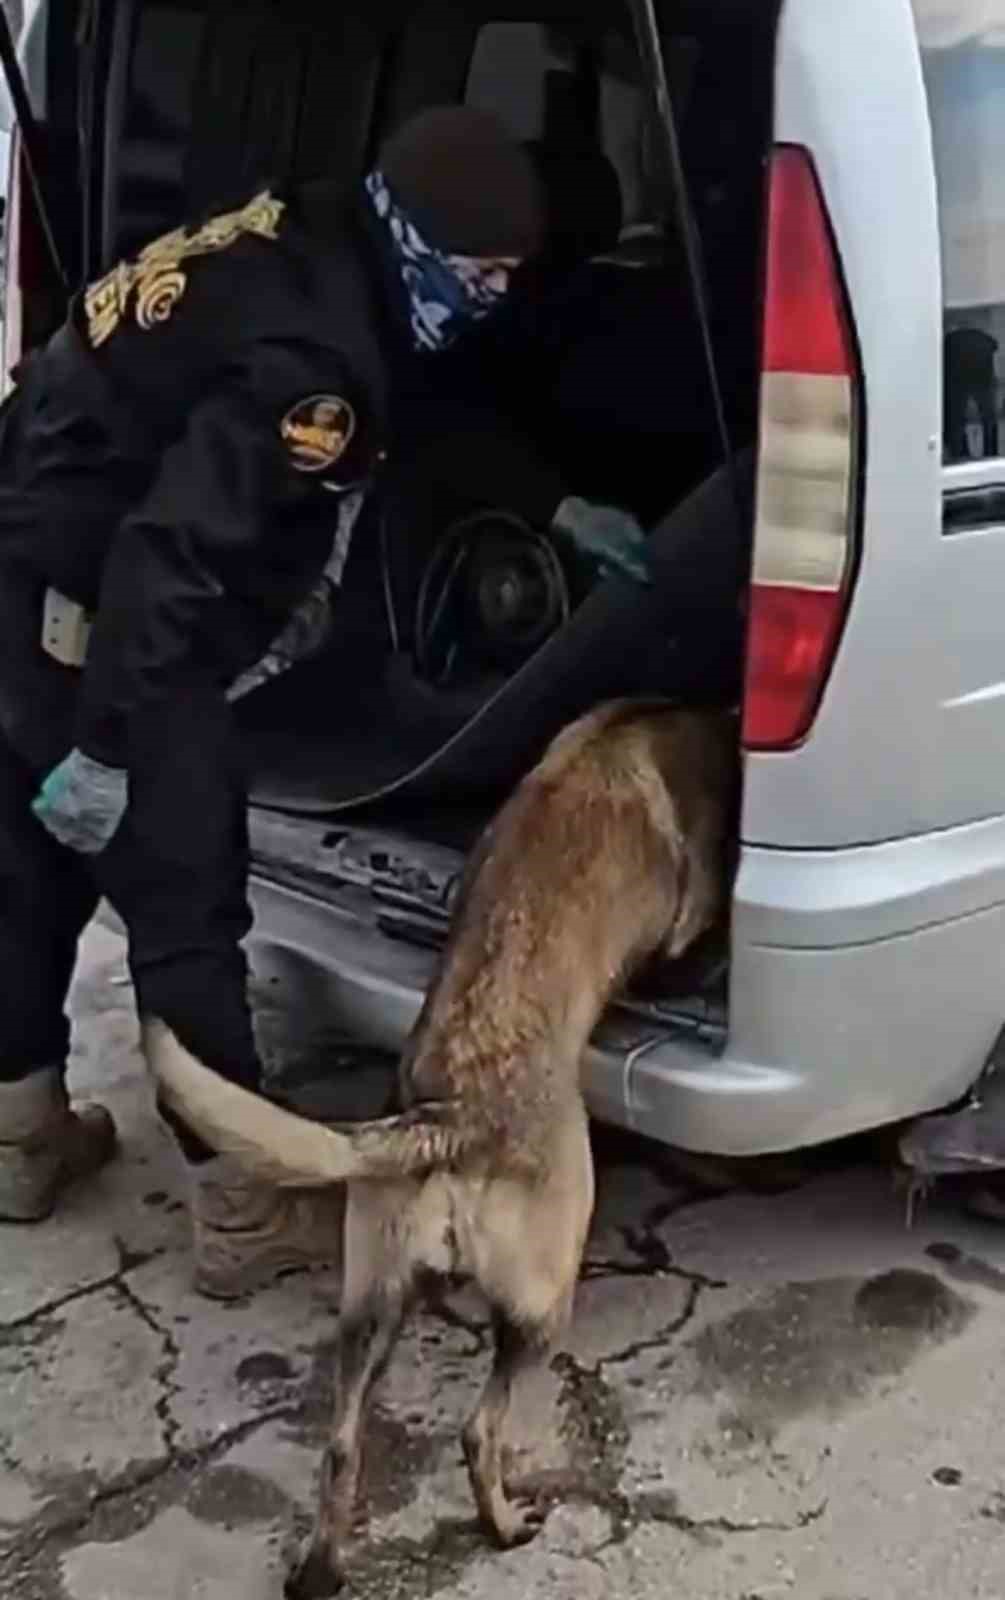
(611,538)
(81,802)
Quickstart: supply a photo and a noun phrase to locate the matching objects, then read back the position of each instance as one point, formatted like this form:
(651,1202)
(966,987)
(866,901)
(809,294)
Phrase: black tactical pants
(176,870)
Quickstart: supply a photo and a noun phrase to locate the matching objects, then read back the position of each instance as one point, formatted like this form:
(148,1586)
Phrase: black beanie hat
(469,186)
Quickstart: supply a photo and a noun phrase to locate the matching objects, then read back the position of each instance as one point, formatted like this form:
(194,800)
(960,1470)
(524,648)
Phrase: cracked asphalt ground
(765,1391)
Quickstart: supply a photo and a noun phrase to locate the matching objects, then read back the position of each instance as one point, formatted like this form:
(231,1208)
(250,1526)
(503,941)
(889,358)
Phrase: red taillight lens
(805,490)
(805,326)
(792,634)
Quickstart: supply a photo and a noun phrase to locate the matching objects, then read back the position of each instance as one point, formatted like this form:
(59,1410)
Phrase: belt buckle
(66,629)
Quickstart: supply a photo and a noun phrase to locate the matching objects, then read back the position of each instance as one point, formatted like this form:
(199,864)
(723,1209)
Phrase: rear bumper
(866,986)
(311,959)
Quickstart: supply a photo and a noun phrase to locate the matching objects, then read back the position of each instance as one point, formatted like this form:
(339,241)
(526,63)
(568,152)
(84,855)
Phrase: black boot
(44,1145)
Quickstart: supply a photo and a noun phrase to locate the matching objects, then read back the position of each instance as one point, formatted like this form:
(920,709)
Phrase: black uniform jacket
(172,460)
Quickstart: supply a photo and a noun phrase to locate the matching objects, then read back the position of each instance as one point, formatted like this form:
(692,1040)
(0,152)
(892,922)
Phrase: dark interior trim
(966,510)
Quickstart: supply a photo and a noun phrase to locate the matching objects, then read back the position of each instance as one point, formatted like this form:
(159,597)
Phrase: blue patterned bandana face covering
(445,292)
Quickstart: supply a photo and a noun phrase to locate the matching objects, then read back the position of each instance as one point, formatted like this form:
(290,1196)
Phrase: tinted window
(566,84)
(507,75)
(963,55)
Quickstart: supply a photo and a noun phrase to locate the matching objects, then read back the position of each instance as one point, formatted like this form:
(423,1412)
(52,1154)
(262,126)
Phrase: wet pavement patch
(594,1428)
(823,1345)
(967,1269)
(415,1569)
(316,1397)
(396,1456)
(232,1497)
(264,1367)
(596,1436)
(81,1509)
(914,1303)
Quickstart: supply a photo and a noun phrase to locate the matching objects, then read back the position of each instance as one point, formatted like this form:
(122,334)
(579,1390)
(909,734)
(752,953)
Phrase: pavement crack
(128,1261)
(51,1308)
(131,1499)
(664,1509)
(166,1369)
(131,1260)
(659,1339)
(594,1269)
(653,1252)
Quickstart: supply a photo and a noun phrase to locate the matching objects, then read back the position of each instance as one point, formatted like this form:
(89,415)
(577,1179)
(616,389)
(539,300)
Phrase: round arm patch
(317,431)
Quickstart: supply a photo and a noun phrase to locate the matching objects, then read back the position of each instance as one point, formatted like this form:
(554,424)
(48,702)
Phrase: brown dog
(609,851)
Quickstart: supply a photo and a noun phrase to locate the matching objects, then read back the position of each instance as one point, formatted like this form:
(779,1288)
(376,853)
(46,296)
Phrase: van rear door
(41,87)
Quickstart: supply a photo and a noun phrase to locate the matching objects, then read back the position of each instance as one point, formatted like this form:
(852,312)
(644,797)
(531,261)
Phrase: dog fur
(610,851)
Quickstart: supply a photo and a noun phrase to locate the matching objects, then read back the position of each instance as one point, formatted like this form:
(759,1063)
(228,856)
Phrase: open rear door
(37,277)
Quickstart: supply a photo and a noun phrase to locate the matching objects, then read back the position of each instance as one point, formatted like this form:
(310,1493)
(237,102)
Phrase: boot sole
(237,1283)
(24,1217)
(25,1197)
(26,1194)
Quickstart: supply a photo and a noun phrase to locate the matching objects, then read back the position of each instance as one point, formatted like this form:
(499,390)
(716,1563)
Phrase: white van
(843,309)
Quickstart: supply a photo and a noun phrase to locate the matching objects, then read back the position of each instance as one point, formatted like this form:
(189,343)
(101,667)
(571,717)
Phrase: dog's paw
(314,1577)
(521,1522)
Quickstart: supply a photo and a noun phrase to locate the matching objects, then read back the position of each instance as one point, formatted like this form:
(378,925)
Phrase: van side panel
(868,962)
(849,88)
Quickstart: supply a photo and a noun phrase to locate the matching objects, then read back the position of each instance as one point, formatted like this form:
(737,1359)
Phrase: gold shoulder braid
(156,275)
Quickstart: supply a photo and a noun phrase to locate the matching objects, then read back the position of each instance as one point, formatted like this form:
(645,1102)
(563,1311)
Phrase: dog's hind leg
(528,1244)
(376,1297)
(511,1522)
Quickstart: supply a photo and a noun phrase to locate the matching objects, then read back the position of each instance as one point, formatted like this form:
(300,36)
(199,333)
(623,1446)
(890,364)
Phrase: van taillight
(806,488)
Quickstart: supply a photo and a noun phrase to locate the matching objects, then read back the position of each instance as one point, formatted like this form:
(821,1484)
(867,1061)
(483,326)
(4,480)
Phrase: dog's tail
(287,1150)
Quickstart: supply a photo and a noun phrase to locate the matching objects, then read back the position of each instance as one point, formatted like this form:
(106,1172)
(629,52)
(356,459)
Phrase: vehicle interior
(466,638)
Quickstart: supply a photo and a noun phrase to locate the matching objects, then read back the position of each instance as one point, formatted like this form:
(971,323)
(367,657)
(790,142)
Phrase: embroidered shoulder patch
(155,281)
(317,431)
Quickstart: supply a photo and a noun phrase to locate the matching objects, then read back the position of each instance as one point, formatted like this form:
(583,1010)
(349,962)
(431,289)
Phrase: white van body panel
(849,88)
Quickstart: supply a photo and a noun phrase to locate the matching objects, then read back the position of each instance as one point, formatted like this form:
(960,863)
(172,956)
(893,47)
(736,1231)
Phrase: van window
(565,82)
(550,82)
(508,72)
(963,58)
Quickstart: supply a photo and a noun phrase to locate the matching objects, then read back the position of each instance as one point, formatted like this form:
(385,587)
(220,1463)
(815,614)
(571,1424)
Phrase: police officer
(172,467)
